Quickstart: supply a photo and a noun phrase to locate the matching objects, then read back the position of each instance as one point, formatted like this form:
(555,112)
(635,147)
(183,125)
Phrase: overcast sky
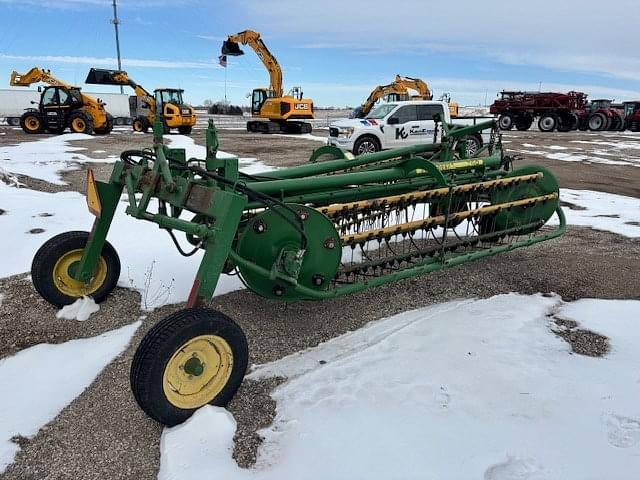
(336,50)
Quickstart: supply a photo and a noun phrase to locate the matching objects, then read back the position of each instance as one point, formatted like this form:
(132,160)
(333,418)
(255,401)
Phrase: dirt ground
(103,434)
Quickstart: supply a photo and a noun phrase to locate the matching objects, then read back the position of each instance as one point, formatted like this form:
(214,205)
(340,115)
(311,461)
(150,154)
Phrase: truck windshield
(381,111)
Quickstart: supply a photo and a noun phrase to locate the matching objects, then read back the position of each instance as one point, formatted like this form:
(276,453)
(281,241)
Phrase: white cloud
(572,35)
(109,61)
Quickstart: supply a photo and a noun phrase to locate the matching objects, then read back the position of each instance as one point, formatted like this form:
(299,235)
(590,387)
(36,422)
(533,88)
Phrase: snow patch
(465,389)
(45,378)
(46,158)
(602,211)
(79,310)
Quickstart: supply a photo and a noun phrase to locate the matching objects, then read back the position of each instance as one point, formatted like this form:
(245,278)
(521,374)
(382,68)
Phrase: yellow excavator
(61,106)
(283,113)
(166,101)
(398,90)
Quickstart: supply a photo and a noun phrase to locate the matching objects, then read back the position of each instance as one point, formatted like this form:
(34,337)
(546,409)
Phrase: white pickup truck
(399,124)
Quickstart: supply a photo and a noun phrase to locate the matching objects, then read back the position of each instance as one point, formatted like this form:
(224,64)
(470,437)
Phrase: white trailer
(14,101)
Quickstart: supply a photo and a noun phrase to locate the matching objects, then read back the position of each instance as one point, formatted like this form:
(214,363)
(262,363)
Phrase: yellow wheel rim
(197,371)
(32,123)
(71,287)
(78,125)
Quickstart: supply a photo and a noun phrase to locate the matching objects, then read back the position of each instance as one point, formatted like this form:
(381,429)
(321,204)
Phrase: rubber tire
(547,129)
(88,122)
(366,138)
(108,127)
(473,139)
(184,130)
(143,123)
(506,121)
(23,120)
(49,253)
(524,122)
(603,122)
(161,342)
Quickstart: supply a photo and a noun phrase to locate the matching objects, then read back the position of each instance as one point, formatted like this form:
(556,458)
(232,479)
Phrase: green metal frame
(221,206)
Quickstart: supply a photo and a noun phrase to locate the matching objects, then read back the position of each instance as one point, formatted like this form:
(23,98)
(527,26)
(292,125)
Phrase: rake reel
(315,231)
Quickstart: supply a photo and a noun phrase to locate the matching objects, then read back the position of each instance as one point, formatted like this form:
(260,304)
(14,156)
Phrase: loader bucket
(231,48)
(99,76)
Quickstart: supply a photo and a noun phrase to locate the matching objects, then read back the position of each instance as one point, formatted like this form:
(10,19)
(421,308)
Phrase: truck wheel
(547,123)
(597,122)
(192,358)
(80,122)
(140,124)
(106,129)
(184,130)
(13,121)
(524,122)
(505,122)
(474,144)
(55,259)
(366,144)
(31,122)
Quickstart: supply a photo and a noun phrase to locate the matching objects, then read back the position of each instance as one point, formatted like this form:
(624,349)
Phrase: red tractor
(602,115)
(553,110)
(632,115)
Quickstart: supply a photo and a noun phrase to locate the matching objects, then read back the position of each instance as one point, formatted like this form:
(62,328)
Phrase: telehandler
(61,106)
(283,112)
(175,113)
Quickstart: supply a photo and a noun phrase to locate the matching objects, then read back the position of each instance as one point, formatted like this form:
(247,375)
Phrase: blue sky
(336,50)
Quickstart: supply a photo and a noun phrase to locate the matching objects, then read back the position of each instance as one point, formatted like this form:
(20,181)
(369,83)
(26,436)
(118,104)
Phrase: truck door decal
(400,133)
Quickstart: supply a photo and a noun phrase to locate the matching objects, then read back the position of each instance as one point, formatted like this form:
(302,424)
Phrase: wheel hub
(65,282)
(198,371)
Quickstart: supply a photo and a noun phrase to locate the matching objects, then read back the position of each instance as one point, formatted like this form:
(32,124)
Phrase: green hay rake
(315,231)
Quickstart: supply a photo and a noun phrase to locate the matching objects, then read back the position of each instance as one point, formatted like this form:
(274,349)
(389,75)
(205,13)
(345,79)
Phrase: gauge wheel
(80,122)
(55,261)
(192,358)
(31,122)
(366,144)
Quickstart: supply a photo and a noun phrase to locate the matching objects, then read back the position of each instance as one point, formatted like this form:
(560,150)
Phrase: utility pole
(116,22)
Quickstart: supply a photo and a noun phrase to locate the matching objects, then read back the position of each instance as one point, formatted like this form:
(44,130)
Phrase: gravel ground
(103,434)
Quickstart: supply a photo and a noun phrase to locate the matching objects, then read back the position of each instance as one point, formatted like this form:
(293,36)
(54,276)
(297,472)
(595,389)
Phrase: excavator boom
(249,37)
(400,86)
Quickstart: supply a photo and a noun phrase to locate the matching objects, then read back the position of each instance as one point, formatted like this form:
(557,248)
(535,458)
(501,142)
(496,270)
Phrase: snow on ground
(40,381)
(79,310)
(150,262)
(46,158)
(602,211)
(304,136)
(466,389)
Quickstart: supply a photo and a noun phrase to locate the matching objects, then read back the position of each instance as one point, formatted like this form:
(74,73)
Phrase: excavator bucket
(231,48)
(99,76)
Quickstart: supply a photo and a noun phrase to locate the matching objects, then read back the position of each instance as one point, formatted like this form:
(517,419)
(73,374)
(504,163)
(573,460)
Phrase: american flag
(222,60)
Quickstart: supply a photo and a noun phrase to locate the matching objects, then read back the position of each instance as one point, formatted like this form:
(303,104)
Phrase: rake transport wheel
(192,358)
(80,122)
(55,261)
(31,122)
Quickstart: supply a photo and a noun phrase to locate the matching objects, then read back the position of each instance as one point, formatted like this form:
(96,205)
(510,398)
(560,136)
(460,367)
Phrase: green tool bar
(341,164)
(366,192)
(309,184)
